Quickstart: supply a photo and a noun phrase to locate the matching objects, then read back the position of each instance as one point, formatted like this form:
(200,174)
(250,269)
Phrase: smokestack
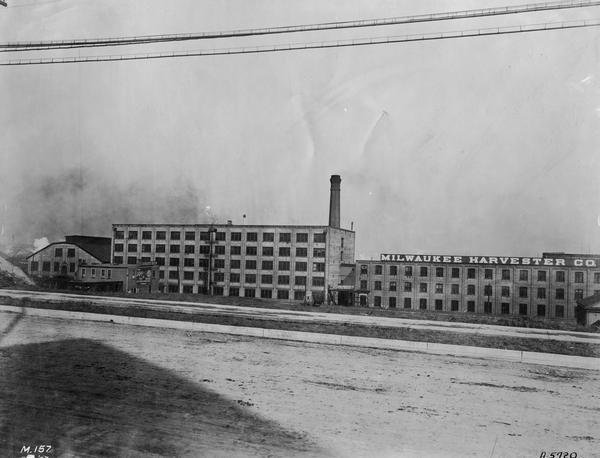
(334,201)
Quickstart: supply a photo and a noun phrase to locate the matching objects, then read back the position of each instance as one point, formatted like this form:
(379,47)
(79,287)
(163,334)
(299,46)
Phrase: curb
(547,359)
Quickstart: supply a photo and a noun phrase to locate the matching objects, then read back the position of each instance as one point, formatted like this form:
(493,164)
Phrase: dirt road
(92,389)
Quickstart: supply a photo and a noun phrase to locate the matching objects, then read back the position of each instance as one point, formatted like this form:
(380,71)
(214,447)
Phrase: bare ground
(95,389)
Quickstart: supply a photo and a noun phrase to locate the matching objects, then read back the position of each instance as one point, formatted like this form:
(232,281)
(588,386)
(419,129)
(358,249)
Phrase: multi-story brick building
(295,262)
(548,286)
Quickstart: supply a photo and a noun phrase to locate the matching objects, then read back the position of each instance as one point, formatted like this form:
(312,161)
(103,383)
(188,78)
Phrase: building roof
(98,247)
(234,226)
(590,302)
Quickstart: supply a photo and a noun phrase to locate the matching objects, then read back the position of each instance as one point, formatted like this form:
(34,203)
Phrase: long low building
(546,287)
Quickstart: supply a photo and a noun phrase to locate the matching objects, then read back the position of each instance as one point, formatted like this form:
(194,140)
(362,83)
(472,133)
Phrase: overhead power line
(147,39)
(315,45)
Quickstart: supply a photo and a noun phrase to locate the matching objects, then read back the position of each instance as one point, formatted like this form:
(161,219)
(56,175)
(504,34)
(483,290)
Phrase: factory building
(544,287)
(292,262)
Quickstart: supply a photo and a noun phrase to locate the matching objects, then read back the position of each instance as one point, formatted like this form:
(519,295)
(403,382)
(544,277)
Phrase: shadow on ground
(88,399)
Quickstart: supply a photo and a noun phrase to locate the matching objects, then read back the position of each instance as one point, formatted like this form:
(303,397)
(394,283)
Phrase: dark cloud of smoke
(82,201)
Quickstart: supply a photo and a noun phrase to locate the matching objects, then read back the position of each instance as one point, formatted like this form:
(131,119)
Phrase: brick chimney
(334,201)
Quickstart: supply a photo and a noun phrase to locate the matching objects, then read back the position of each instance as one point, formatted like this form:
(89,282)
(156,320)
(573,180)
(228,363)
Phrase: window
(58,252)
(251,236)
(132,247)
(118,248)
(251,251)
(219,249)
(578,277)
(285,237)
(392,302)
(160,261)
(299,295)
(560,311)
(220,236)
(578,294)
(505,308)
(318,281)
(190,235)
(439,304)
(560,276)
(46,266)
(455,272)
(505,291)
(423,271)
(487,307)
(235,264)
(146,235)
(189,249)
(83,272)
(377,301)
(146,259)
(175,235)
(267,265)
(301,252)
(283,294)
(364,269)
(188,262)
(377,286)
(219,263)
(470,272)
(541,293)
(249,292)
(471,306)
(173,275)
(108,272)
(408,271)
(505,274)
(146,248)
(439,271)
(203,263)
(488,274)
(423,304)
(174,248)
(487,290)
(187,275)
(407,302)
(250,264)
(596,277)
(523,291)
(268,236)
(283,279)
(439,288)
(267,251)
(455,289)
(470,290)
(423,287)
(378,269)
(560,293)
(283,265)
(236,237)
(266,293)
(250,278)
(131,260)
(302,237)
(161,248)
(319,252)
(301,266)
(284,251)
(119,234)
(541,310)
(235,250)
(72,267)
(363,285)
(173,261)
(300,280)
(541,275)
(318,267)
(234,277)
(454,306)
(408,286)
(393,271)
(56,266)
(266,279)
(118,259)
(161,274)
(93,272)
(319,237)
(523,275)
(132,235)
(392,286)
(161,235)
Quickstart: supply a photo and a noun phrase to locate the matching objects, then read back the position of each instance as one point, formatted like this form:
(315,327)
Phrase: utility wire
(147,39)
(315,45)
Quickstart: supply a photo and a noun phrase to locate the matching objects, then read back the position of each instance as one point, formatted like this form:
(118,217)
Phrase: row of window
(454,306)
(471,273)
(104,273)
(219,277)
(284,237)
(47,265)
(301,252)
(58,252)
(487,290)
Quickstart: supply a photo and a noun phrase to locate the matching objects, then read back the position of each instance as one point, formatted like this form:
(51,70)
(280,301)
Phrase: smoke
(83,201)
(38,244)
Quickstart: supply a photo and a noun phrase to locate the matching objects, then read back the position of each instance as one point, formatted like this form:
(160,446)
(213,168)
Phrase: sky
(482,146)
